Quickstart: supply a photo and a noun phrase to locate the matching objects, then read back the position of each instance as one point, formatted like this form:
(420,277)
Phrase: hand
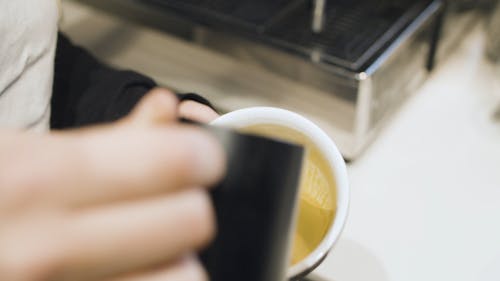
(124,202)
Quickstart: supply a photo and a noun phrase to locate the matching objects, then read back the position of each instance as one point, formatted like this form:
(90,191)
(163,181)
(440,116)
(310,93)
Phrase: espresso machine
(355,61)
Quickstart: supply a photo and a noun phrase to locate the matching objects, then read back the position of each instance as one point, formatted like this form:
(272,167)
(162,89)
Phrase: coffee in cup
(323,195)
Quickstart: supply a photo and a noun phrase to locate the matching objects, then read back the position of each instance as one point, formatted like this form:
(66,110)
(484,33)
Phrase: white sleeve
(28,36)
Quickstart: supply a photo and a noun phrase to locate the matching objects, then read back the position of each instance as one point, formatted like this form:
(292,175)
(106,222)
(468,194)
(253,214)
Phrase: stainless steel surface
(318,15)
(373,94)
(351,106)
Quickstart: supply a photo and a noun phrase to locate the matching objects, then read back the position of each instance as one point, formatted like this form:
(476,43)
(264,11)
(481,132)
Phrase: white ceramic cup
(247,117)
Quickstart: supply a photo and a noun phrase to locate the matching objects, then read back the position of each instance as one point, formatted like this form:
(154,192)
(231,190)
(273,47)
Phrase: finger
(197,112)
(187,269)
(106,165)
(159,106)
(139,235)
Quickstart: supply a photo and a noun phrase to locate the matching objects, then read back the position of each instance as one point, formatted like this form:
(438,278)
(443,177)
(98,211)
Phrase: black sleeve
(87,91)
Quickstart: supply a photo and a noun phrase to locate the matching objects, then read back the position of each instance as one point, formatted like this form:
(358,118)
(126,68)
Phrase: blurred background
(409,90)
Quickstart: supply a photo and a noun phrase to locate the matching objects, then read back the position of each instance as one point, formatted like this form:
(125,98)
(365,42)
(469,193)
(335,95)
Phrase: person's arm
(87,92)
(122,201)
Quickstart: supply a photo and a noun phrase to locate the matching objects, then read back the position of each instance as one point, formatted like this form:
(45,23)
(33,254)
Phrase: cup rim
(276,116)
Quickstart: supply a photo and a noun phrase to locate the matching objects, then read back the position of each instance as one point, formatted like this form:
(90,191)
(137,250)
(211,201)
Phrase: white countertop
(425,199)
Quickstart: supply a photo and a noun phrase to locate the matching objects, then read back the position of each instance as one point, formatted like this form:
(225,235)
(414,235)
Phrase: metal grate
(352,33)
